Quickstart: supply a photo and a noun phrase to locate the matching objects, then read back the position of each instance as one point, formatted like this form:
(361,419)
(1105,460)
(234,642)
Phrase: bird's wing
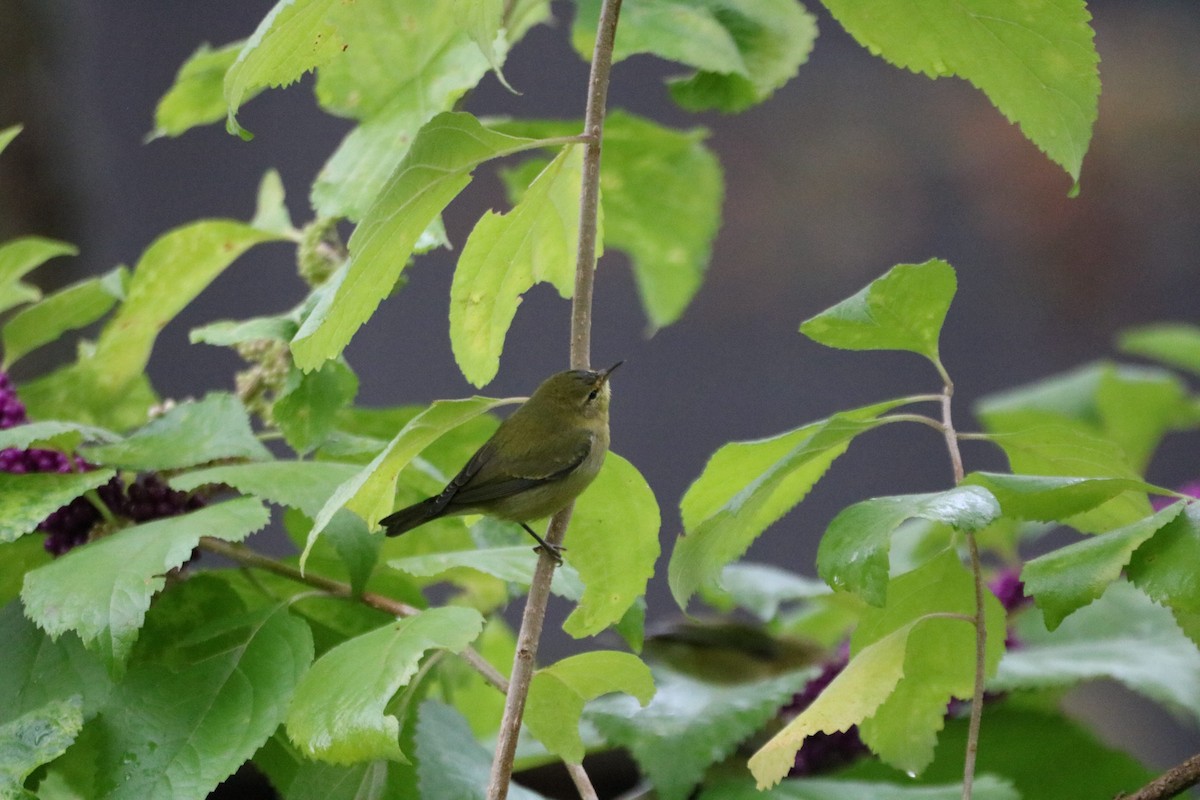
(482,482)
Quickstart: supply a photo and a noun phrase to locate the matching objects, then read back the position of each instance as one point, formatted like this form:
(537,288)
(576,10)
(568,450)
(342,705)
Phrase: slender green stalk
(581,345)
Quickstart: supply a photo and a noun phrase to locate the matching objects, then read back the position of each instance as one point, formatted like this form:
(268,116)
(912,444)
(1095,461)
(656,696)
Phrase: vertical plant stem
(581,345)
(977,575)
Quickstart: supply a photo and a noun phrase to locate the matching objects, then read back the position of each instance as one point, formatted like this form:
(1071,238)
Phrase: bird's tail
(406,519)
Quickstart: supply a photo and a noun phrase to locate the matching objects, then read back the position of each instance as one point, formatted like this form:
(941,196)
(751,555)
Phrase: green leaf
(1165,566)
(296,778)
(854,695)
(450,763)
(435,170)
(613,543)
(1065,580)
(175,268)
(270,209)
(985,787)
(211,429)
(338,713)
(57,434)
(1174,343)
(227,333)
(70,393)
(432,60)
(17,558)
(1125,410)
(371,492)
(19,257)
(853,554)
(102,590)
(305,485)
(307,406)
(505,255)
(178,725)
(689,725)
(743,49)
(68,309)
(1037,63)
(39,671)
(903,310)
(939,663)
(1027,743)
(761,589)
(484,22)
(558,693)
(294,38)
(198,95)
(36,738)
(1123,635)
(746,486)
(907,661)
(108,384)
(514,564)
(8,134)
(1046,498)
(27,499)
(662,193)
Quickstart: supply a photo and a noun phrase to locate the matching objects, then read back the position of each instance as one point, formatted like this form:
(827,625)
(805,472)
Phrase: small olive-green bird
(540,459)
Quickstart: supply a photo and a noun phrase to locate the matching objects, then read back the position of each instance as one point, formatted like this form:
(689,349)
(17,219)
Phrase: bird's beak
(606,372)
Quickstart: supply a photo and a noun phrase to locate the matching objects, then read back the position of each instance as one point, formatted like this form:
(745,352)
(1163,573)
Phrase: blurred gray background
(854,166)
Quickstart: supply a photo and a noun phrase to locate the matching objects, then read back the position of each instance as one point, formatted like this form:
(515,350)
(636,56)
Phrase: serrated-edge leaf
(1054,497)
(292,39)
(197,95)
(305,485)
(619,503)
(557,695)
(338,713)
(853,554)
(102,590)
(1067,579)
(27,499)
(213,428)
(1123,635)
(20,256)
(1036,63)
(514,564)
(180,726)
(68,309)
(436,168)
(36,738)
(689,725)
(44,431)
(371,492)
(505,255)
(852,696)
(724,513)
(172,271)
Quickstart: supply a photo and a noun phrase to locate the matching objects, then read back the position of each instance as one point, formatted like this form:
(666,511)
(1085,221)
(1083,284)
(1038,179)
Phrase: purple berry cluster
(147,498)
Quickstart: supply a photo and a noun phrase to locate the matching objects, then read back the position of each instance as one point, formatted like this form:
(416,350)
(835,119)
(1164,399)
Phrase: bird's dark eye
(592,394)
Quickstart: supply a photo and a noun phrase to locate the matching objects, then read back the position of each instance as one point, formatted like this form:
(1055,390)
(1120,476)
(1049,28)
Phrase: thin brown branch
(956,465)
(249,558)
(1171,783)
(581,348)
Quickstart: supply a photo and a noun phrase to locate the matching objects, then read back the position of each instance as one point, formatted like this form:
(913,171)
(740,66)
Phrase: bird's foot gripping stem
(554,550)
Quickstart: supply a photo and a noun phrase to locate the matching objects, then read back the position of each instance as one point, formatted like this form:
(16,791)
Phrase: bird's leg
(555,551)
